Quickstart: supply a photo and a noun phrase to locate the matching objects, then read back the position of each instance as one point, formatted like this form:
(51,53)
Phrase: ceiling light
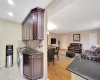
(11,2)
(10,14)
(51,26)
(47,32)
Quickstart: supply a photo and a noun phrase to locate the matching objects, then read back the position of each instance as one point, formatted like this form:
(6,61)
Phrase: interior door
(64,42)
(92,39)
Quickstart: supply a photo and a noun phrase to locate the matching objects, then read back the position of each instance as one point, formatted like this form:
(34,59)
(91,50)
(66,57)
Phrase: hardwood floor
(58,70)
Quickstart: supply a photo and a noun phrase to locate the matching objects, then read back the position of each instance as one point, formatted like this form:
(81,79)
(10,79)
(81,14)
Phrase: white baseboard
(44,78)
(2,66)
(5,65)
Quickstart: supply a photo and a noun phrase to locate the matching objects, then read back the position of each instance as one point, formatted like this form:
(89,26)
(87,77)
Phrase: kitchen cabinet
(33,25)
(33,66)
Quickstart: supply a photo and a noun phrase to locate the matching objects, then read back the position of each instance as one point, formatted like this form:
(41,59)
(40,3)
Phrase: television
(53,40)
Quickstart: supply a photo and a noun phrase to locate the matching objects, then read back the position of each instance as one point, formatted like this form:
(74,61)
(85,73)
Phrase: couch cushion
(93,48)
(97,51)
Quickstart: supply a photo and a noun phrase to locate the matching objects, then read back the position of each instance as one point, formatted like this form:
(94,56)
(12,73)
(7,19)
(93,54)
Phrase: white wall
(53,35)
(10,33)
(85,37)
(45,77)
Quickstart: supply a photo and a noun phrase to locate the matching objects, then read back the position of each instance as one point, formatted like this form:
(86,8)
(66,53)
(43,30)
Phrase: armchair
(71,47)
(75,47)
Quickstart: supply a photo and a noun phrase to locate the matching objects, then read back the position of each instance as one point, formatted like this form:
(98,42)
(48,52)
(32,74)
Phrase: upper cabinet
(33,25)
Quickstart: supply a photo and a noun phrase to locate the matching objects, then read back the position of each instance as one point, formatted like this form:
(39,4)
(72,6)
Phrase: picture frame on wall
(76,37)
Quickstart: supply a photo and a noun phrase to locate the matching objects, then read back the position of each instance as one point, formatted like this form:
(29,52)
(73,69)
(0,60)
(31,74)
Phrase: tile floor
(12,73)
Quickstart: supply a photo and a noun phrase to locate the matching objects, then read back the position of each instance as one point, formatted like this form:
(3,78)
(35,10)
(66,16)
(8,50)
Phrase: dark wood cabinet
(27,71)
(33,66)
(33,25)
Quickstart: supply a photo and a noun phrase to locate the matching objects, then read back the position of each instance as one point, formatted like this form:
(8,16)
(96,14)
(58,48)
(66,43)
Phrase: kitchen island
(86,69)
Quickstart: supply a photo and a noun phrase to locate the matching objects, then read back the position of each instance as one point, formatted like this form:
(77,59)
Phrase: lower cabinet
(33,66)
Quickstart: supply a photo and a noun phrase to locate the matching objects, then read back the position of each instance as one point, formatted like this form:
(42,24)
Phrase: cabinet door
(27,70)
(40,25)
(31,27)
(31,31)
(37,66)
(27,30)
(23,32)
(35,20)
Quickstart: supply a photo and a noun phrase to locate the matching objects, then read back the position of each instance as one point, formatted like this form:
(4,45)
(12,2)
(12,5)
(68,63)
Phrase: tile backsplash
(35,44)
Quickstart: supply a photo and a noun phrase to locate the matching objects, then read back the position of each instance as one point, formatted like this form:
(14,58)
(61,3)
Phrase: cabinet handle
(37,56)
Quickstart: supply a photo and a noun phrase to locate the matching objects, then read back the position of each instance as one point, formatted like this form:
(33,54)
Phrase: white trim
(2,66)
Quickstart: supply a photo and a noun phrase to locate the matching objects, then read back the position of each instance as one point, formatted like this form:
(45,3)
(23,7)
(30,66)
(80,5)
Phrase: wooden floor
(58,70)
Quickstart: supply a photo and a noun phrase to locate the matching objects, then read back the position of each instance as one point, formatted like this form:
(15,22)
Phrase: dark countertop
(30,51)
(90,70)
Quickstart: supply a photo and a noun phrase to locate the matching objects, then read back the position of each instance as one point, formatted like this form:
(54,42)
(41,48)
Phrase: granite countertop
(30,51)
(85,68)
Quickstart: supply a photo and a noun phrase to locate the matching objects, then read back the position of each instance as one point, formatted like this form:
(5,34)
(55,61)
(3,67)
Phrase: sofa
(93,54)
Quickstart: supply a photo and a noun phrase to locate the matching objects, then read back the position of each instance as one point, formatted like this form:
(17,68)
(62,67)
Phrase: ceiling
(20,9)
(74,15)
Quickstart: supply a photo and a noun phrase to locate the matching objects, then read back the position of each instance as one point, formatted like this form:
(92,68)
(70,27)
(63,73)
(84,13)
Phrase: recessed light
(11,2)
(10,14)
